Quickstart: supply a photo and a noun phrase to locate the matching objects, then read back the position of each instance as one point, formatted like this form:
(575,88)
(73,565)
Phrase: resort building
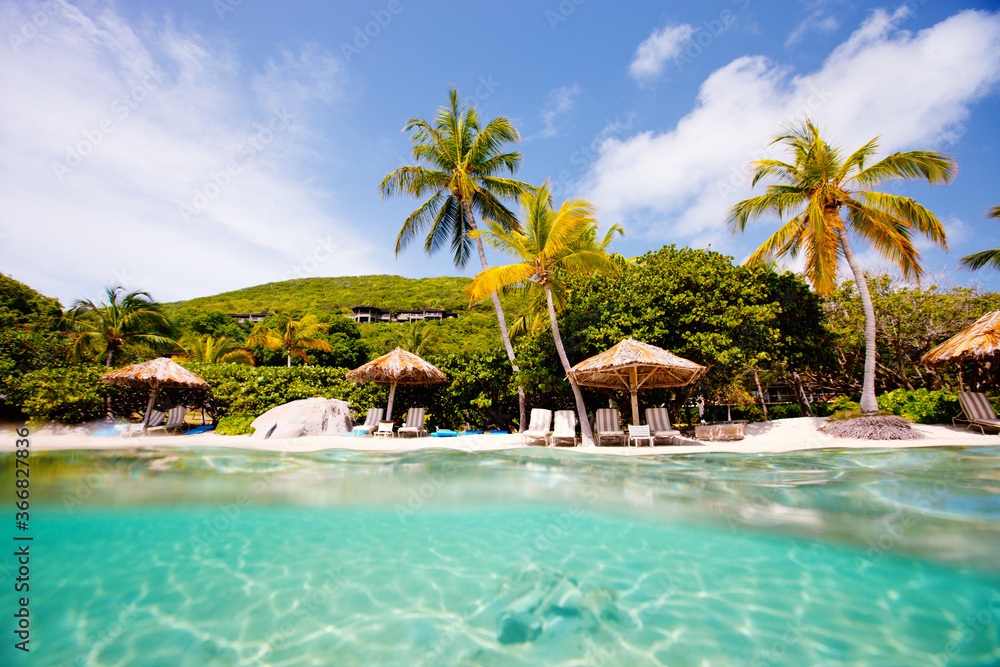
(249,317)
(367,314)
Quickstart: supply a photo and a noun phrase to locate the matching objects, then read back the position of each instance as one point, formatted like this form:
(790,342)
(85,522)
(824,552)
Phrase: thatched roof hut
(978,342)
(397,367)
(632,365)
(154,375)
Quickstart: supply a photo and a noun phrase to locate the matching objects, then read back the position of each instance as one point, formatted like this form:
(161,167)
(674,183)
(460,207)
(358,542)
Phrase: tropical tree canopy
(821,183)
(293,337)
(464,176)
(125,318)
(991,258)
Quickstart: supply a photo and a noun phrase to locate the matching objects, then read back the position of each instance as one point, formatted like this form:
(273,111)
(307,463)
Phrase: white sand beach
(777,436)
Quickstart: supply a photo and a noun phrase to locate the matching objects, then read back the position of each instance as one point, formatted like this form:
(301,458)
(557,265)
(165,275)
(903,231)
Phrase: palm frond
(978,260)
(931,166)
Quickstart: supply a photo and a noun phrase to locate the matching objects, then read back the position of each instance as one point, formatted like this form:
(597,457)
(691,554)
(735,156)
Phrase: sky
(194,147)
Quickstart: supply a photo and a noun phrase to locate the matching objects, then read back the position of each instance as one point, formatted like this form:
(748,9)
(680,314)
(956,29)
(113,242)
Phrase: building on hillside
(368,314)
(249,317)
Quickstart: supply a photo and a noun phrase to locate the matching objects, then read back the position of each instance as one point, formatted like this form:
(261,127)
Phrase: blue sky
(189,148)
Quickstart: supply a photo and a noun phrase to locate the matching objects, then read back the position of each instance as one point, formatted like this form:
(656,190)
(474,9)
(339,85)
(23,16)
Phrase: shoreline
(786,435)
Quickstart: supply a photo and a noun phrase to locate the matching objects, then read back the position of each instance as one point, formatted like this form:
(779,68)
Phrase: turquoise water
(529,557)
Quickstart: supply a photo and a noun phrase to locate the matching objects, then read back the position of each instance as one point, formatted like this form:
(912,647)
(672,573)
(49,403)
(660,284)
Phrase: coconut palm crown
(293,337)
(125,318)
(821,185)
(991,258)
(550,244)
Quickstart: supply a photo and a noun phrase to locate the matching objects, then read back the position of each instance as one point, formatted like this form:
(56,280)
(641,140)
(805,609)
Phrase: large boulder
(309,416)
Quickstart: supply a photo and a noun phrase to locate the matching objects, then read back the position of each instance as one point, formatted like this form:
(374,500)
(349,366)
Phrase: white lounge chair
(155,417)
(659,423)
(637,433)
(414,424)
(384,430)
(977,411)
(608,425)
(371,422)
(538,427)
(565,427)
(175,420)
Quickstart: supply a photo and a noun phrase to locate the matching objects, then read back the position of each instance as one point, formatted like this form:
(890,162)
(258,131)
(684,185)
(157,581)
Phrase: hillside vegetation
(320,295)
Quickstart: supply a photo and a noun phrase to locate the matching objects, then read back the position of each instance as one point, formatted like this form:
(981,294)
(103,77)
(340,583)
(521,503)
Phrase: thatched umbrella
(632,365)
(397,367)
(978,342)
(155,375)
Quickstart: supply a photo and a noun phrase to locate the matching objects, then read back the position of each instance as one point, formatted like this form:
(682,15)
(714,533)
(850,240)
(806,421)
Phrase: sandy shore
(778,436)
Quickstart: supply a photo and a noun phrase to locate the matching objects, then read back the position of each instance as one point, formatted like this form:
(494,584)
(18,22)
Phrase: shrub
(68,395)
(235,425)
(920,405)
(843,403)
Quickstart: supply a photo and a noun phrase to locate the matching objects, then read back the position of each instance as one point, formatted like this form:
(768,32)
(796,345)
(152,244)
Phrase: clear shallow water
(533,556)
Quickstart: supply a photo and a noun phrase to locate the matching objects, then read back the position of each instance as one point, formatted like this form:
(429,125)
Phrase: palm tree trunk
(760,393)
(585,432)
(289,360)
(869,404)
(521,400)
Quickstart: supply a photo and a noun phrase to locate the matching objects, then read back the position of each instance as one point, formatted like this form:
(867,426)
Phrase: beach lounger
(538,427)
(637,433)
(977,411)
(608,426)
(414,424)
(384,430)
(155,417)
(371,422)
(565,428)
(659,423)
(175,420)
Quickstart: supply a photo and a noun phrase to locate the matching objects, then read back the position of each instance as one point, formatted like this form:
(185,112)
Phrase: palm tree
(292,337)
(550,242)
(125,318)
(820,184)
(463,177)
(221,350)
(978,260)
(416,337)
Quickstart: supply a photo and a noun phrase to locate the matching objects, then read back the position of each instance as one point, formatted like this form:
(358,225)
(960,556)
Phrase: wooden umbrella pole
(633,376)
(149,407)
(388,408)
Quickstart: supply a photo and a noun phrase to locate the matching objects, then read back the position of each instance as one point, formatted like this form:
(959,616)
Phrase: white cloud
(560,102)
(658,48)
(117,129)
(821,20)
(915,90)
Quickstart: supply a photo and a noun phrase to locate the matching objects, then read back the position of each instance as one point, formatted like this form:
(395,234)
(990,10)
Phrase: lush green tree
(694,303)
(211,350)
(549,242)
(203,322)
(125,318)
(464,176)
(991,258)
(821,183)
(291,337)
(21,306)
(910,320)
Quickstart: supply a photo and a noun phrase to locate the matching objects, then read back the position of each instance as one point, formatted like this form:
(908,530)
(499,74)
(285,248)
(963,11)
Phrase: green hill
(325,294)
